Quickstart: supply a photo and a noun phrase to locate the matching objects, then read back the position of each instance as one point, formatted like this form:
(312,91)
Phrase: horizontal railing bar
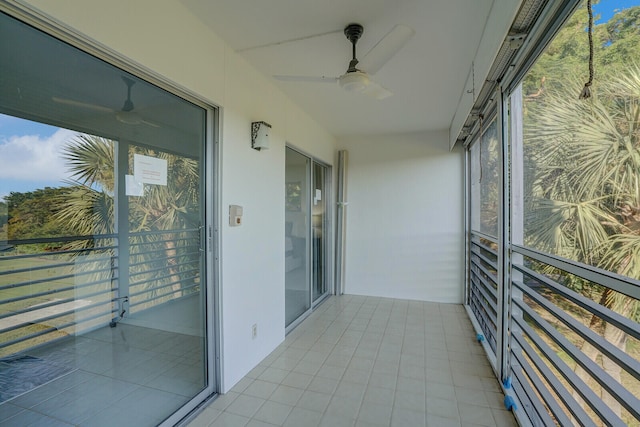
(56,315)
(91,237)
(480,234)
(486,323)
(155,251)
(484,289)
(488,283)
(484,247)
(490,310)
(164,276)
(476,260)
(52,304)
(158,297)
(56,253)
(623,323)
(36,281)
(52,329)
(48,266)
(561,391)
(56,291)
(476,252)
(588,395)
(166,285)
(629,364)
(159,241)
(162,251)
(54,278)
(131,305)
(477,313)
(621,394)
(485,317)
(152,270)
(59,239)
(622,284)
(155,232)
(541,412)
(145,262)
(490,275)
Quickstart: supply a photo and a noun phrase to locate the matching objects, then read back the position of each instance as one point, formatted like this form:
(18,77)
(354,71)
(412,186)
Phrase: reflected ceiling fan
(357,77)
(125,115)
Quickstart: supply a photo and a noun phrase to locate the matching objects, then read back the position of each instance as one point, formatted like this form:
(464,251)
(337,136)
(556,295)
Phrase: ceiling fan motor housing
(355,81)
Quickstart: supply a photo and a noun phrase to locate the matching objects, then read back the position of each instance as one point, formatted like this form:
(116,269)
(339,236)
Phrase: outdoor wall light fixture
(260,135)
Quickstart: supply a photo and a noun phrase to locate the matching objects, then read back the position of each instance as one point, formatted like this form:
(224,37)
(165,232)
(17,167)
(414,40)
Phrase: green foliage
(565,60)
(489,180)
(620,39)
(29,216)
(583,157)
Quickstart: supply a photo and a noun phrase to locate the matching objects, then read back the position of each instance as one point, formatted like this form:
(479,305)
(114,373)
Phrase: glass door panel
(165,264)
(319,230)
(297,277)
(102,275)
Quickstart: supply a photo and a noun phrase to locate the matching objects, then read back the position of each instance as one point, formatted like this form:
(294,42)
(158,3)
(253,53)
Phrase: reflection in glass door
(103,277)
(297,277)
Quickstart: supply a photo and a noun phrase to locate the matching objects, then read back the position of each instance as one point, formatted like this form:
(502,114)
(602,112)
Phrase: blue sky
(607,8)
(30,155)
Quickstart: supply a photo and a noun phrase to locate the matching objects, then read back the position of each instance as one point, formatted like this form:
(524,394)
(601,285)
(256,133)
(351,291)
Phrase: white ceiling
(427,76)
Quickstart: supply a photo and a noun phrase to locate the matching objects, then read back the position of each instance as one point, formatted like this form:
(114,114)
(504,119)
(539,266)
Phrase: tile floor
(123,376)
(366,361)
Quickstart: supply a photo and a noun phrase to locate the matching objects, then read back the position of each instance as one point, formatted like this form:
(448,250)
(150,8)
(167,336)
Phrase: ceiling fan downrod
(353,33)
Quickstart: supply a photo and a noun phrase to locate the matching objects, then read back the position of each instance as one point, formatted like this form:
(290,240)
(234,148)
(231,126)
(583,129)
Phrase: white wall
(404,220)
(164,37)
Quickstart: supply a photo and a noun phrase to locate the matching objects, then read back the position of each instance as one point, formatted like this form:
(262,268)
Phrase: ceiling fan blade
(133,118)
(295,39)
(306,79)
(149,123)
(376,91)
(81,104)
(384,50)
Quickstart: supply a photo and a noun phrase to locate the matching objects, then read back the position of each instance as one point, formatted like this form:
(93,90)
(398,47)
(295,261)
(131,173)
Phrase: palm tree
(87,205)
(156,258)
(584,196)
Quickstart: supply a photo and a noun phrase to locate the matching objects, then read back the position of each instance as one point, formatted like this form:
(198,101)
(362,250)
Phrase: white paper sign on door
(133,187)
(149,170)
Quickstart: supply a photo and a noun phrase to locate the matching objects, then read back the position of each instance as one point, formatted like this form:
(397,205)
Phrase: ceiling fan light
(355,81)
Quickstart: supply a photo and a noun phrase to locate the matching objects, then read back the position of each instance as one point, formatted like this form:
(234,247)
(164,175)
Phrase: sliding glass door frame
(210,196)
(327,244)
(328,249)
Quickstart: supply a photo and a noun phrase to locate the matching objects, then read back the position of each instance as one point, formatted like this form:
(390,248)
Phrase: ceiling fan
(125,115)
(357,77)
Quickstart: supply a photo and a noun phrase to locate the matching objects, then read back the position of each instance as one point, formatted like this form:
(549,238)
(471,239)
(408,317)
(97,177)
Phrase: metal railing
(574,359)
(79,286)
(483,287)
(163,266)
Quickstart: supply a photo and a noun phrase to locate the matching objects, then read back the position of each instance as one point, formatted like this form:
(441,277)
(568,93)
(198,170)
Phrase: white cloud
(32,158)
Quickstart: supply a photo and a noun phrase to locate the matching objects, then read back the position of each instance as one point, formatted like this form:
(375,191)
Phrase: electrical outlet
(254,331)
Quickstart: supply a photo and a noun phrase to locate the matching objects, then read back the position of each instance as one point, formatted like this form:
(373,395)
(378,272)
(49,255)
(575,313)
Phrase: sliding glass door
(306,234)
(297,235)
(103,278)
(319,230)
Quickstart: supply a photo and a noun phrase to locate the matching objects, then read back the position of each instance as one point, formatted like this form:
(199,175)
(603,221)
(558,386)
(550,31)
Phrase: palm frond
(91,161)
